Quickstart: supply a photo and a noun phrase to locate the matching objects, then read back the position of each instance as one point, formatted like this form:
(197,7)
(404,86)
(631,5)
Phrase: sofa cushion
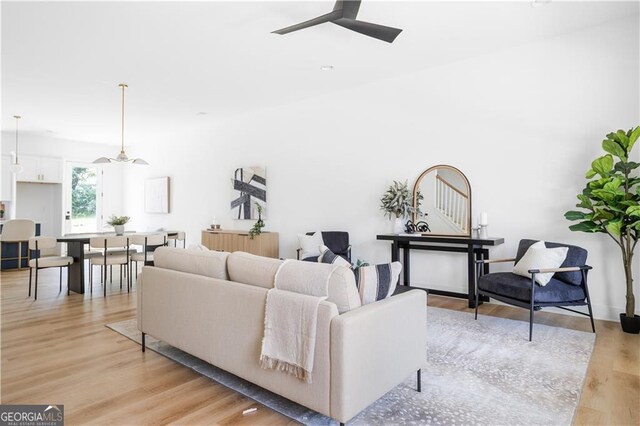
(247,268)
(211,264)
(343,291)
(518,287)
(261,271)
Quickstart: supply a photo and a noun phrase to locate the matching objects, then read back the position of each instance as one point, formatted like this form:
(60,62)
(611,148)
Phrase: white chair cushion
(88,254)
(18,230)
(42,243)
(139,257)
(111,260)
(51,261)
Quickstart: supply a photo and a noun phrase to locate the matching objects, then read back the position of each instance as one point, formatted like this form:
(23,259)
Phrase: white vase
(398,225)
(119,229)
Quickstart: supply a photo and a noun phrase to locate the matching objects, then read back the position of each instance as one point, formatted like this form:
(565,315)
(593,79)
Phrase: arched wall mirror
(446,203)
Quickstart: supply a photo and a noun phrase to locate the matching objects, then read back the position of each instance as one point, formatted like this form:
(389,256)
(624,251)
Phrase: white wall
(522,124)
(26,200)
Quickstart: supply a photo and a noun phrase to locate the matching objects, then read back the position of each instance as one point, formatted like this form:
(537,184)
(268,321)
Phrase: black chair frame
(37,268)
(533,306)
(149,249)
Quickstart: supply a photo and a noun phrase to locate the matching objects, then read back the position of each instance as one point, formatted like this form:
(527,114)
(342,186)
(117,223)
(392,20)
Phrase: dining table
(75,248)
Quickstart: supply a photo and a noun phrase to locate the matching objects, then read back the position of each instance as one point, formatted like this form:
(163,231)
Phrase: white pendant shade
(122,157)
(16,167)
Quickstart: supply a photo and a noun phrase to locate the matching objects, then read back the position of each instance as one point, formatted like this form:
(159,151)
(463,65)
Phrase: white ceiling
(62,62)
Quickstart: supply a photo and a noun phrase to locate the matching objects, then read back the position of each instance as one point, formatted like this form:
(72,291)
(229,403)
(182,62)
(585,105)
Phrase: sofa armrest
(374,348)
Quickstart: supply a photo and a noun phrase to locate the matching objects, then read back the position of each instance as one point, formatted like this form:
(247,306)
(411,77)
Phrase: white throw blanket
(291,317)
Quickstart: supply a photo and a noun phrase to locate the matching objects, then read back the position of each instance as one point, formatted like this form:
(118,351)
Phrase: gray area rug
(481,372)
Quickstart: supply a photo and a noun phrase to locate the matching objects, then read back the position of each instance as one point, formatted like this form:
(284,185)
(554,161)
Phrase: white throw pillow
(538,256)
(310,244)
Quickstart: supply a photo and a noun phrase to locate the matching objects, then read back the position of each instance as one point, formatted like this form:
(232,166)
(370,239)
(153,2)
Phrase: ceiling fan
(344,14)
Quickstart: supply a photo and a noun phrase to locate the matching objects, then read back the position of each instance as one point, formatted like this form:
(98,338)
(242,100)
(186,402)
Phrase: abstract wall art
(156,195)
(249,186)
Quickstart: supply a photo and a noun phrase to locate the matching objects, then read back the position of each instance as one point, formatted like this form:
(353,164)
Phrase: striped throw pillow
(377,282)
(327,256)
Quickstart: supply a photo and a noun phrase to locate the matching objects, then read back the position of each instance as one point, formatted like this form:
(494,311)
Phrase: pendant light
(16,167)
(122,157)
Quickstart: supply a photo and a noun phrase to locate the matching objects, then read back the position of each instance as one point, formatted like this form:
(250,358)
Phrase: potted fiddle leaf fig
(610,204)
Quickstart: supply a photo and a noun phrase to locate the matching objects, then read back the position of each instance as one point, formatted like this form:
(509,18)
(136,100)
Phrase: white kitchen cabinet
(40,169)
(5,186)
(29,171)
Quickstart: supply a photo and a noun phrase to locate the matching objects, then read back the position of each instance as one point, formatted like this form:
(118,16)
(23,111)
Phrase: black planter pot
(630,325)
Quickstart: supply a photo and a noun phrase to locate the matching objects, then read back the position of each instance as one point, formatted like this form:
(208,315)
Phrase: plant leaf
(586,226)
(626,166)
(602,214)
(590,173)
(633,137)
(603,165)
(574,215)
(614,148)
(615,226)
(633,211)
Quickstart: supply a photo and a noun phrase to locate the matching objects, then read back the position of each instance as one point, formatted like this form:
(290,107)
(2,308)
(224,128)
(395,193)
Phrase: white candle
(214,221)
(484,219)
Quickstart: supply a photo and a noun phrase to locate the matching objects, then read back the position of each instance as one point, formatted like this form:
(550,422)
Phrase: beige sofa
(212,305)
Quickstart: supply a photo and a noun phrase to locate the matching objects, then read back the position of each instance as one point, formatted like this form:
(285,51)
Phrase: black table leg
(76,269)
(406,252)
(471,276)
(395,251)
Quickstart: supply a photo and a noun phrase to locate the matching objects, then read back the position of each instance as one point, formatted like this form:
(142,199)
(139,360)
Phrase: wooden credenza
(265,244)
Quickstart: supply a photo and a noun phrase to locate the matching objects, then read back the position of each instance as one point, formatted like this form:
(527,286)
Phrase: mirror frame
(466,181)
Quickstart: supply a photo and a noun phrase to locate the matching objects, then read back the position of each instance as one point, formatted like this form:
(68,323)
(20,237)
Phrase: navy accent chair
(568,286)
(336,241)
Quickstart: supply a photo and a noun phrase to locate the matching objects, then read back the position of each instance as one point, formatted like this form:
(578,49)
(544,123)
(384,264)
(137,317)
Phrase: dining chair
(18,231)
(38,259)
(90,253)
(109,258)
(178,236)
(148,242)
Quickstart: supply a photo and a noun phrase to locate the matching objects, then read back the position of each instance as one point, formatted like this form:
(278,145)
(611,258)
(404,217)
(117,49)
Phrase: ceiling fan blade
(380,32)
(310,23)
(349,8)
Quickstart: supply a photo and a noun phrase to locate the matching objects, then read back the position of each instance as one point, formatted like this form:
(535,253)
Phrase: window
(83,198)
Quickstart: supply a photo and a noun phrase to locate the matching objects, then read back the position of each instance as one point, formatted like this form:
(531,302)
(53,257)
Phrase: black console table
(474,247)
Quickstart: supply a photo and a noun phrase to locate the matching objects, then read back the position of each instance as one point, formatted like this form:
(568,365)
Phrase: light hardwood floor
(57,350)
